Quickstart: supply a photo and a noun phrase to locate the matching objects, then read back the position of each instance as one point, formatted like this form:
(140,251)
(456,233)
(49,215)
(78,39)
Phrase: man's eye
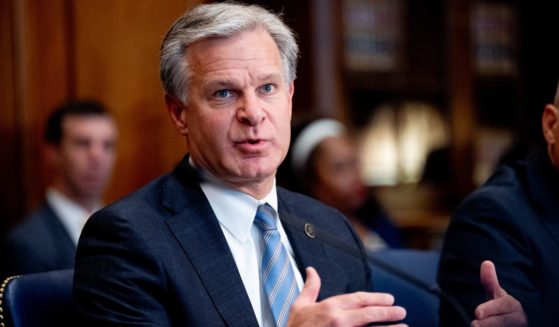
(109,146)
(222,94)
(268,88)
(82,143)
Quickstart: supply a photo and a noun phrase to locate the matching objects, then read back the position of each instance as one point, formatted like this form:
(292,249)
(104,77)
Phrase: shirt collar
(235,210)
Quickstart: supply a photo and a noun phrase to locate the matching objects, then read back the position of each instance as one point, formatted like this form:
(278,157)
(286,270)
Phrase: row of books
(374,36)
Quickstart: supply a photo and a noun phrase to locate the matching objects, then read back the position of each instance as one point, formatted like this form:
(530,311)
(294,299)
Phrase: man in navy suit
(183,250)
(80,149)
(511,227)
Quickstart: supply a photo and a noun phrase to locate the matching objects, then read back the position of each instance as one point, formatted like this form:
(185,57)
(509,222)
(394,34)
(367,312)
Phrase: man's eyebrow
(228,82)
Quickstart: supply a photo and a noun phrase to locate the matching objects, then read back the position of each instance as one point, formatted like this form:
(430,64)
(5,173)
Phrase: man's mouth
(250,141)
(251,145)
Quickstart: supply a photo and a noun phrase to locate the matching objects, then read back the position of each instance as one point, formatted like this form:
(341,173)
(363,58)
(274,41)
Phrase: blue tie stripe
(277,273)
(279,282)
(293,292)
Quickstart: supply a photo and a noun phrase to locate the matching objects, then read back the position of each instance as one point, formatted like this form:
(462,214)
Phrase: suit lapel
(197,230)
(543,182)
(311,252)
(64,247)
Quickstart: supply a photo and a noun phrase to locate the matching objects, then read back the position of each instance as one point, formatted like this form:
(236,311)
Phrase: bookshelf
(458,57)
(391,54)
(373,35)
(493,31)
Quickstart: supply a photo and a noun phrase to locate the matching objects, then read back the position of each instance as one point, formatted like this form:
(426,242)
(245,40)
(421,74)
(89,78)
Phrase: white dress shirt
(72,216)
(236,211)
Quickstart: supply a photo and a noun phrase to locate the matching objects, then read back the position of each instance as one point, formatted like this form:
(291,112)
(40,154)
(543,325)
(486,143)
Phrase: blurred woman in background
(323,163)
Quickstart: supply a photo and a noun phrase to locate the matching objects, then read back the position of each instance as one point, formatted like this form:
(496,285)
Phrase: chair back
(45,299)
(411,276)
(41,299)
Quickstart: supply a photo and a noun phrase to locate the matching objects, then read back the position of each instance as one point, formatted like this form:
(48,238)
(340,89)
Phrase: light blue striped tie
(277,273)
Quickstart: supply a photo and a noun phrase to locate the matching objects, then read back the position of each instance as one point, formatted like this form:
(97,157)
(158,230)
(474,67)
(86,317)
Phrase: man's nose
(250,110)
(98,152)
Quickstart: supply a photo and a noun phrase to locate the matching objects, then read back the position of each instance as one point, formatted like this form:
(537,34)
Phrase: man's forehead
(84,124)
(247,46)
(83,119)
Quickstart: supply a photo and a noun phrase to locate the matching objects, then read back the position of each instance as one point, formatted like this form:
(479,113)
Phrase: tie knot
(265,217)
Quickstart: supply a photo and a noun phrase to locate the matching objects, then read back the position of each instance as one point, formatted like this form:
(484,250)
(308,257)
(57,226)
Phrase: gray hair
(219,20)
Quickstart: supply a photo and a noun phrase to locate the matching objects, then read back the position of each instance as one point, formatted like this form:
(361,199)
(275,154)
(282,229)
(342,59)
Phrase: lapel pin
(309,230)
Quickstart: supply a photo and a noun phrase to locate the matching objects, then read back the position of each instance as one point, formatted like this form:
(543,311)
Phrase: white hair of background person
(310,137)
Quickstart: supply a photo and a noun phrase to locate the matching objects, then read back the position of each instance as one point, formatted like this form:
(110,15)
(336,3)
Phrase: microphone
(336,242)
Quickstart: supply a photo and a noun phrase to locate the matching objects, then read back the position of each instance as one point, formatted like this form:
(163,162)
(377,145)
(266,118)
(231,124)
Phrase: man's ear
(51,155)
(550,123)
(177,112)
(290,91)
(291,88)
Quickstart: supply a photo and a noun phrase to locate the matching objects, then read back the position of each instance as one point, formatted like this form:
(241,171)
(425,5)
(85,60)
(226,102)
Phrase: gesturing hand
(501,309)
(355,309)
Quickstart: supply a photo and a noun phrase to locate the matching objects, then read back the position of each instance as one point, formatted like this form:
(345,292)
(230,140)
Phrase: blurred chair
(41,299)
(410,275)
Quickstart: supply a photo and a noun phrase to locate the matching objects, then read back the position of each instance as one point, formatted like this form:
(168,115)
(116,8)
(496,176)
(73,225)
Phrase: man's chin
(254,176)
(262,168)
(92,190)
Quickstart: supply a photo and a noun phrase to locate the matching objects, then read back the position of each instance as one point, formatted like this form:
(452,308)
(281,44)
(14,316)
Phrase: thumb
(489,280)
(310,290)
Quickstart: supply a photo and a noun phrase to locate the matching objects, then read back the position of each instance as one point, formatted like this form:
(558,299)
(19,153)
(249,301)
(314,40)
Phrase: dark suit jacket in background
(159,258)
(40,243)
(512,220)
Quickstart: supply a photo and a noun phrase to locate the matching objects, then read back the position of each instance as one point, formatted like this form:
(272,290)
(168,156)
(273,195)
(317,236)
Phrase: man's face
(85,157)
(237,121)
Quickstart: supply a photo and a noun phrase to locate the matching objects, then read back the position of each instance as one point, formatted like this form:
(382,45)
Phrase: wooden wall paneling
(33,33)
(117,61)
(10,175)
(44,81)
(326,59)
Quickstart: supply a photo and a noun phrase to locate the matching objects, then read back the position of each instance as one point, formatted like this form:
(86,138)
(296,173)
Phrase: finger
(510,320)
(361,299)
(366,315)
(310,290)
(495,321)
(500,306)
(489,280)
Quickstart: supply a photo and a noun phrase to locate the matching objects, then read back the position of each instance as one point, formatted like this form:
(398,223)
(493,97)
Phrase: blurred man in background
(80,149)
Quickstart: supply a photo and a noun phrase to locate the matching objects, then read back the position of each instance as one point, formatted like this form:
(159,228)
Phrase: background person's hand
(355,309)
(501,309)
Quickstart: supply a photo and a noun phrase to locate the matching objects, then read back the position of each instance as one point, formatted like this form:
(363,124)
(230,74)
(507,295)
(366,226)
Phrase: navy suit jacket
(159,258)
(40,243)
(512,220)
